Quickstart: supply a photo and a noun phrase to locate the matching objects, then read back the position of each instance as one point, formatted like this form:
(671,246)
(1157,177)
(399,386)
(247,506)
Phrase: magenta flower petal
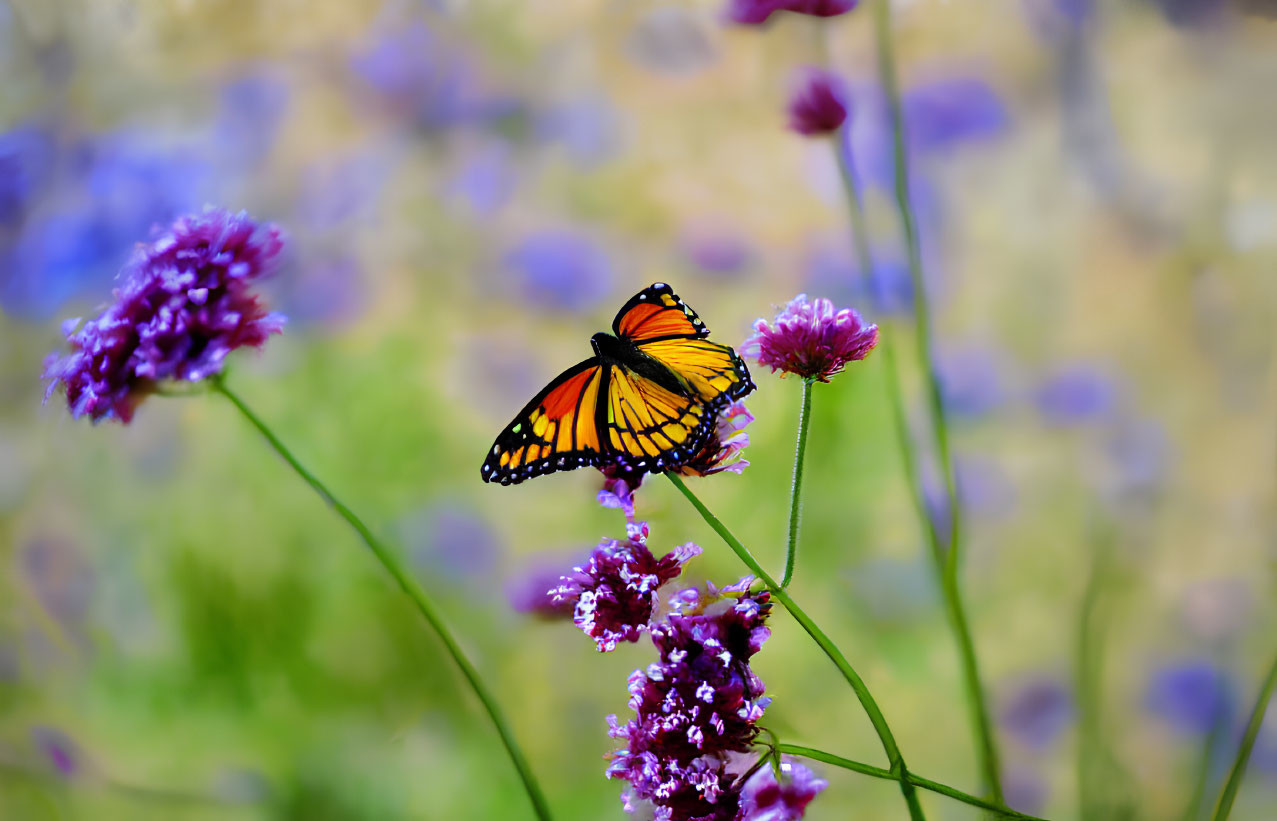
(766,799)
(757,12)
(185,302)
(819,103)
(811,339)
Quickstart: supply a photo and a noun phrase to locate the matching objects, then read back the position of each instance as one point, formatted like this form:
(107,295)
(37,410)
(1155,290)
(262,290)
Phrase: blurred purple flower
(763,798)
(486,180)
(1036,711)
(1139,453)
(970,381)
(54,259)
(417,76)
(1054,19)
(615,593)
(342,189)
(983,486)
(757,12)
(811,339)
(531,589)
(830,269)
(1188,14)
(26,163)
(1192,696)
(325,291)
(1075,395)
(561,270)
(183,305)
(136,184)
(452,541)
(695,707)
(60,750)
(252,107)
(588,129)
(1025,791)
(721,452)
(717,251)
(819,103)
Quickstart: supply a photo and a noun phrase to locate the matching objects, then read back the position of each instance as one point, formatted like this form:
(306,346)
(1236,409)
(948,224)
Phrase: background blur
(470,190)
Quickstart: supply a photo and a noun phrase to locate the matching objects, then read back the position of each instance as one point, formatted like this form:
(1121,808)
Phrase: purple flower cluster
(614,594)
(722,450)
(757,12)
(185,303)
(811,339)
(819,103)
(696,707)
(763,798)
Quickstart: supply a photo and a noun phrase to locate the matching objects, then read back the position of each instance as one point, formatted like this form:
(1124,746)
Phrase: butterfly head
(606,346)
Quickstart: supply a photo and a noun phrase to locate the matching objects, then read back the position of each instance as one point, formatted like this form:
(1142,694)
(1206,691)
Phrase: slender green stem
(922,324)
(916,780)
(796,492)
(414,592)
(1235,775)
(835,655)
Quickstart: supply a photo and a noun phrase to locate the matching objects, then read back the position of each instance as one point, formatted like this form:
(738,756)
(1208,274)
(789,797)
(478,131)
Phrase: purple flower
(757,12)
(695,707)
(819,103)
(618,489)
(1037,711)
(561,270)
(531,590)
(1075,395)
(716,250)
(1192,696)
(58,747)
(183,305)
(970,378)
(722,450)
(614,594)
(811,339)
(763,798)
(26,162)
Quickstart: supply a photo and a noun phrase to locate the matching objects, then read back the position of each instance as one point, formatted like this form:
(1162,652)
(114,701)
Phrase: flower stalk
(947,562)
(1226,797)
(412,589)
(830,649)
(796,491)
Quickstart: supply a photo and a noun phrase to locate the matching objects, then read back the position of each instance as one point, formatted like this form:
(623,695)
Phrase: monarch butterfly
(646,401)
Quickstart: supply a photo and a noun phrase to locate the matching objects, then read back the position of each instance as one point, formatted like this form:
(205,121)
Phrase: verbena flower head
(763,798)
(757,12)
(811,339)
(722,450)
(819,103)
(614,594)
(695,707)
(184,303)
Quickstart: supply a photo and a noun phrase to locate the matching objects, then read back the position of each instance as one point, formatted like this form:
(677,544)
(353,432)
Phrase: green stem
(1235,775)
(916,780)
(414,592)
(835,655)
(922,324)
(795,495)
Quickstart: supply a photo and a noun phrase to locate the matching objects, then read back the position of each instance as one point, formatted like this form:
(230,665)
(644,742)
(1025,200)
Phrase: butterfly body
(646,400)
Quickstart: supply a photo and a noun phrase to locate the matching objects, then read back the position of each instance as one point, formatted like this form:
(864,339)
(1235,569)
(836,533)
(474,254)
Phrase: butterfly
(647,400)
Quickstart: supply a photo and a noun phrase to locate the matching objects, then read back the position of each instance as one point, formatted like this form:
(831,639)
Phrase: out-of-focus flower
(722,450)
(970,378)
(59,749)
(26,160)
(811,339)
(531,589)
(695,707)
(588,129)
(763,798)
(1191,14)
(414,75)
(1024,790)
(819,102)
(1055,19)
(888,290)
(1192,696)
(561,270)
(185,302)
(485,180)
(252,107)
(614,594)
(757,12)
(452,541)
(719,251)
(1036,711)
(1075,395)
(53,259)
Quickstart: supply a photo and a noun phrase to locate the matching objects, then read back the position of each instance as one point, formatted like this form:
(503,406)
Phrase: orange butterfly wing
(557,430)
(656,312)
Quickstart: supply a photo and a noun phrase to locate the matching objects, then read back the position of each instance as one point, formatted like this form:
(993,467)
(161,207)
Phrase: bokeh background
(470,190)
